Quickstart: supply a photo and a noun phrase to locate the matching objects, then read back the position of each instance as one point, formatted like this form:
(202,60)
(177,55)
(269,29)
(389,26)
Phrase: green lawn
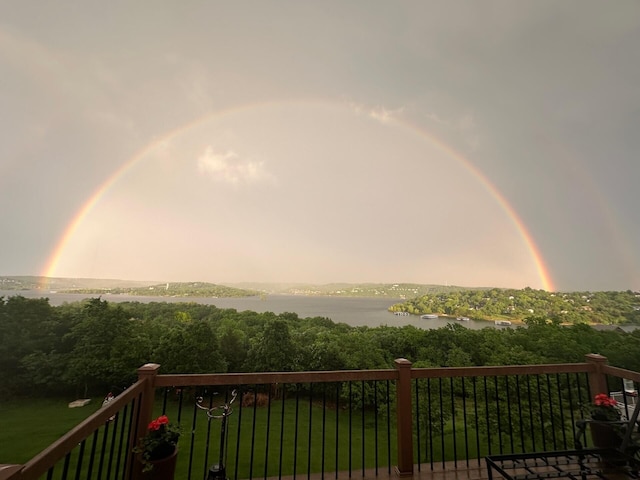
(306,444)
(28,426)
(302,444)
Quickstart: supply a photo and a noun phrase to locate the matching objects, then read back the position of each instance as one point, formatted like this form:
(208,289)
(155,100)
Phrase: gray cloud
(539,96)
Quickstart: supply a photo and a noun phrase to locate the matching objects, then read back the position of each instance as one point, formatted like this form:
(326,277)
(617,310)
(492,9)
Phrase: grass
(28,426)
(284,437)
(262,441)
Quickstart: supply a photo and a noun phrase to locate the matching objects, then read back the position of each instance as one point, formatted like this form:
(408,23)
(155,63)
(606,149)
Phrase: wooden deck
(422,472)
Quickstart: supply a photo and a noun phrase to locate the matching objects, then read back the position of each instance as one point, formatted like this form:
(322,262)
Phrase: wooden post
(146,373)
(403,418)
(597,379)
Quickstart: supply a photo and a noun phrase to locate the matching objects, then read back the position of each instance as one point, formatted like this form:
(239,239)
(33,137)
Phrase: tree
(190,348)
(272,350)
(101,339)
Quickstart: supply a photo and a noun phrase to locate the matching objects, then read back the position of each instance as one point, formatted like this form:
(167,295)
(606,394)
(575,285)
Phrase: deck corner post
(597,379)
(403,418)
(146,373)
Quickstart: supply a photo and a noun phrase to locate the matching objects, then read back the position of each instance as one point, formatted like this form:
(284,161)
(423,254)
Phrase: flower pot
(604,435)
(163,469)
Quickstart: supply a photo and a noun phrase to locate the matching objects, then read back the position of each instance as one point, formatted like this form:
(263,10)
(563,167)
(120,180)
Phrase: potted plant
(605,425)
(158,449)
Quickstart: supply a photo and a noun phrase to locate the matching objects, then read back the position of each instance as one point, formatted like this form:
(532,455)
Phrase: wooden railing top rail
(171,380)
(501,370)
(621,373)
(274,377)
(39,464)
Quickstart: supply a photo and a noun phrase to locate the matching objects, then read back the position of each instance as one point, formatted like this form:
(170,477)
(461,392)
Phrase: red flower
(163,419)
(604,400)
(604,408)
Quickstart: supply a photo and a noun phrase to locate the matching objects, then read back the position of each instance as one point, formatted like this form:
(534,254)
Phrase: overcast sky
(476,143)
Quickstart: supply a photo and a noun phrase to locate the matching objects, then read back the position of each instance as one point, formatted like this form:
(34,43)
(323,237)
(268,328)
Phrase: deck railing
(360,422)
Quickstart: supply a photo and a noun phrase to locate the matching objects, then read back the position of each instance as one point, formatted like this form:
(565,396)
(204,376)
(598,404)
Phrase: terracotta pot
(163,469)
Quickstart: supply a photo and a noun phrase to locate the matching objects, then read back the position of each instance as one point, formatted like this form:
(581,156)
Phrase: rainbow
(543,271)
(72,227)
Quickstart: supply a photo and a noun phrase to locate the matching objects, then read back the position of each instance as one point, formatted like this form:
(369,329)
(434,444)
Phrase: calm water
(370,312)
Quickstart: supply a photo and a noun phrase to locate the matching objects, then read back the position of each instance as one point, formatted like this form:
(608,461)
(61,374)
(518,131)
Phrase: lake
(354,311)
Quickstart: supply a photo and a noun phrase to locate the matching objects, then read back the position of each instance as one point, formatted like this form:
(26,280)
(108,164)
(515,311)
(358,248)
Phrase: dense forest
(608,308)
(90,347)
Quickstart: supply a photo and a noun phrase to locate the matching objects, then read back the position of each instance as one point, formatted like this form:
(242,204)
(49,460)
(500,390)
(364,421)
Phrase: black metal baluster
(324,420)
(475,412)
(464,420)
(227,410)
(94,444)
(267,434)
(295,440)
(571,411)
(180,403)
(338,388)
(487,419)
(164,400)
(350,424)
(416,384)
(122,447)
(510,420)
(441,399)
(281,433)
(581,399)
(551,412)
(531,422)
(388,427)
(105,433)
(541,413)
(362,421)
(520,421)
(375,423)
(310,430)
(65,468)
(429,426)
(253,429)
(207,442)
(498,416)
(564,433)
(238,431)
(429,420)
(129,459)
(194,417)
(179,418)
(112,447)
(453,424)
(80,458)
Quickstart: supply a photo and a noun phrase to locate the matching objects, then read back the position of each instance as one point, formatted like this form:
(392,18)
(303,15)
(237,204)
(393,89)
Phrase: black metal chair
(621,461)
(628,433)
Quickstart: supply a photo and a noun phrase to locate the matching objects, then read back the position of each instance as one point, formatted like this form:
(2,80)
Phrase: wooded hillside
(91,347)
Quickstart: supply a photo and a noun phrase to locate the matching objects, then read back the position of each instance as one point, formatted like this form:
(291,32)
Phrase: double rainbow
(83,212)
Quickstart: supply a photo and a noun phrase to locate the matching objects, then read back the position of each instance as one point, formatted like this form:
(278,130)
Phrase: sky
(480,144)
